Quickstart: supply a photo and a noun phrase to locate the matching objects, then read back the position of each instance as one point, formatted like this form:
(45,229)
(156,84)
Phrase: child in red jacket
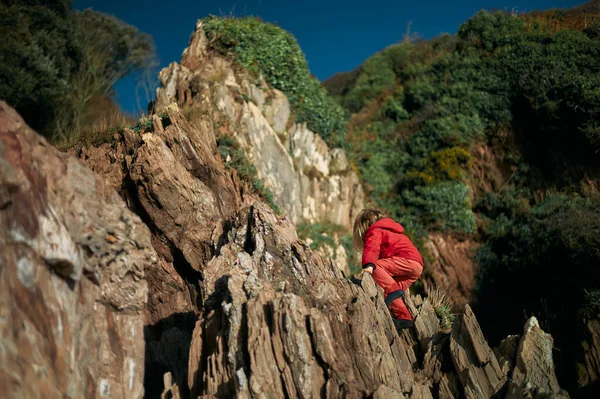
(390,257)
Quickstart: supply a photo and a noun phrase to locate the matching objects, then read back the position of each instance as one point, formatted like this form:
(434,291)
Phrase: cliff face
(236,304)
(72,282)
(311,182)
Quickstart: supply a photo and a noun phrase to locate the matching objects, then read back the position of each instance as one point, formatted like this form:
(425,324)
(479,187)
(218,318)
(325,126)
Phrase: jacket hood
(388,224)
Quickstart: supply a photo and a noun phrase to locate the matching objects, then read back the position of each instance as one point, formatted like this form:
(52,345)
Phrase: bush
(38,56)
(444,205)
(55,61)
(545,262)
(268,50)
(450,164)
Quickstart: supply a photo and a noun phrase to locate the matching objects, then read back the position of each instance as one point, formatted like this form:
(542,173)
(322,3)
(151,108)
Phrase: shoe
(403,324)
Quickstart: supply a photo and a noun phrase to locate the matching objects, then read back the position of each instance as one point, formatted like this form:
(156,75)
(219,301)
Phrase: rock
(311,182)
(421,392)
(276,110)
(72,285)
(238,305)
(452,267)
(591,347)
(534,375)
(475,363)
(427,325)
(506,353)
(384,392)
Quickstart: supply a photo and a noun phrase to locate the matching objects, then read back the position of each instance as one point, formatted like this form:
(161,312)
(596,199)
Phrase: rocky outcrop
(451,266)
(533,375)
(239,306)
(590,370)
(72,275)
(311,182)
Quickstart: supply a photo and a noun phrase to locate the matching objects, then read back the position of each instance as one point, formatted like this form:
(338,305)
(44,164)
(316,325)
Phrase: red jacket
(385,239)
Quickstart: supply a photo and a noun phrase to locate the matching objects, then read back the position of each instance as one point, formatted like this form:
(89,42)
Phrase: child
(390,257)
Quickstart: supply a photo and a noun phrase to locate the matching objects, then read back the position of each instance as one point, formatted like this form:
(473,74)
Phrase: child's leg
(404,272)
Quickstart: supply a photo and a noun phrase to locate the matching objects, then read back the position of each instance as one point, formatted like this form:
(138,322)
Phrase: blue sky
(335,35)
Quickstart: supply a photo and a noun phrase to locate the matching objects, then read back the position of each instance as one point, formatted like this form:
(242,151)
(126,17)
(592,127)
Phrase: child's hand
(365,270)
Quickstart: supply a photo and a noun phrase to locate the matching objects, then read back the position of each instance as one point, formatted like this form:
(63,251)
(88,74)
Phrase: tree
(54,60)
(111,50)
(38,56)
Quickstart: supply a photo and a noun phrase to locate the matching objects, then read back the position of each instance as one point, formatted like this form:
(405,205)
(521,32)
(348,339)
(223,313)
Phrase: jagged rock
(262,315)
(452,269)
(476,365)
(310,182)
(72,285)
(384,392)
(590,372)
(506,353)
(421,392)
(533,376)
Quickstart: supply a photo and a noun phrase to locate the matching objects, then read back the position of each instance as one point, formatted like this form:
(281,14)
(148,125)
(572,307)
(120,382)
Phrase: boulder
(73,259)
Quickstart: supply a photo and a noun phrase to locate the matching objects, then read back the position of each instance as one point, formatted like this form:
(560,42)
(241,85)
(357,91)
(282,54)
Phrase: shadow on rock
(167,350)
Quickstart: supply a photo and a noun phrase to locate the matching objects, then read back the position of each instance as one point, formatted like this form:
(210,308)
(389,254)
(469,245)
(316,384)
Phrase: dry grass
(440,301)
(100,131)
(557,20)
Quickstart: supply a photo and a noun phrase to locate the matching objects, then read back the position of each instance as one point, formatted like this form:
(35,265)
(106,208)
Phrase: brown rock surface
(452,267)
(259,313)
(474,361)
(591,347)
(72,288)
(237,305)
(533,375)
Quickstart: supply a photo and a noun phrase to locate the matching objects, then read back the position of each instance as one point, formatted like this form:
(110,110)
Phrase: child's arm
(371,251)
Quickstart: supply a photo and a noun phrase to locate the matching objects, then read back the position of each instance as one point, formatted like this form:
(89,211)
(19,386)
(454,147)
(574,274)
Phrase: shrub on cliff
(268,50)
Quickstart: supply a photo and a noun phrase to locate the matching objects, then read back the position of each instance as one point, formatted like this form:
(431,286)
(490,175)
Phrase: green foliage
(544,261)
(268,50)
(235,158)
(37,59)
(445,165)
(54,61)
(445,205)
(321,234)
(423,106)
(444,314)
(591,306)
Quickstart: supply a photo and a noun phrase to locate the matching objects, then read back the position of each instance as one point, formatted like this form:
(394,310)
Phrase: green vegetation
(442,305)
(320,233)
(235,158)
(419,109)
(58,67)
(267,50)
(325,234)
(526,90)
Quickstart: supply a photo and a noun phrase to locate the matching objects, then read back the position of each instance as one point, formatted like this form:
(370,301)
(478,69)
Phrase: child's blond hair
(363,221)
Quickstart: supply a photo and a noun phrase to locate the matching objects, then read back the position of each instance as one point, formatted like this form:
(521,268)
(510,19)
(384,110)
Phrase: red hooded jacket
(385,239)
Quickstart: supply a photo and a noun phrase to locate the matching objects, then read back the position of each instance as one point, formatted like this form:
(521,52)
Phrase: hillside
(205,250)
(492,136)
